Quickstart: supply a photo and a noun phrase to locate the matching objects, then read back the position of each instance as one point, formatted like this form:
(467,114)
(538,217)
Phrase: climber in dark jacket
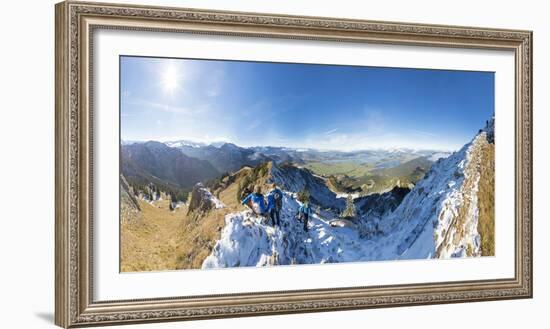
(275,204)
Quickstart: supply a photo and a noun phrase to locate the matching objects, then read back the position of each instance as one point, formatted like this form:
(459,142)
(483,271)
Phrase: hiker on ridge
(256,202)
(275,204)
(304,212)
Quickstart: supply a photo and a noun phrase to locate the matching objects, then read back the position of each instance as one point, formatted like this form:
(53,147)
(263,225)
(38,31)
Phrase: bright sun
(170,78)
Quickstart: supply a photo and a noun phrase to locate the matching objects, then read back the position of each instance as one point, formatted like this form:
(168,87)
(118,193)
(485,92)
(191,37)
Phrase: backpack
(305,210)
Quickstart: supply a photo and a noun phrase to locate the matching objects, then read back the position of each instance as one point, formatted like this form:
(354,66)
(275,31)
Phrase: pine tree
(303,196)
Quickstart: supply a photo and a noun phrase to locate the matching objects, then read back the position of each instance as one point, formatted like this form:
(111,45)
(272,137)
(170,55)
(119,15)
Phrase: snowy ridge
(427,222)
(437,219)
(247,241)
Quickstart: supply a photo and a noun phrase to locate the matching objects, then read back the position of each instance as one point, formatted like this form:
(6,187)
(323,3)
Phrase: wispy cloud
(254,124)
(163,107)
(332,131)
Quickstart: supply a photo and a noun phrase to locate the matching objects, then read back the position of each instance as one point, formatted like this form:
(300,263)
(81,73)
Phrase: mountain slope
(443,210)
(439,218)
(156,162)
(225,158)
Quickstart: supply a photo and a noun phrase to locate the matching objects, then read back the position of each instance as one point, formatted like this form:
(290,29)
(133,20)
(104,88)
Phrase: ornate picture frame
(76,23)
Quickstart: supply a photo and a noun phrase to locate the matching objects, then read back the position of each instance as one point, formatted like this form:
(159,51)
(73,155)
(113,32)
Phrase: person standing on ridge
(275,204)
(256,202)
(304,212)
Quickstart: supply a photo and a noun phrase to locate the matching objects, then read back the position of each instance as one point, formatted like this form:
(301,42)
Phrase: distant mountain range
(178,165)
(218,153)
(226,157)
(168,167)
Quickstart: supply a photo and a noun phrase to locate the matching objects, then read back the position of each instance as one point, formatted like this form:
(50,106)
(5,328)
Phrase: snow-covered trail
(246,240)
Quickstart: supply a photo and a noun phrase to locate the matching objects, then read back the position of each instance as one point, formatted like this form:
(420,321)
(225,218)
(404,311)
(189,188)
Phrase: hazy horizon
(213,143)
(302,106)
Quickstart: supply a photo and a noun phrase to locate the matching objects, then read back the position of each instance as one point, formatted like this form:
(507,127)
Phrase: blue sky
(302,105)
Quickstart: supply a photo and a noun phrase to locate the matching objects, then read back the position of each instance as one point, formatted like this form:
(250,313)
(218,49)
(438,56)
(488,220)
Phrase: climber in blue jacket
(304,212)
(256,201)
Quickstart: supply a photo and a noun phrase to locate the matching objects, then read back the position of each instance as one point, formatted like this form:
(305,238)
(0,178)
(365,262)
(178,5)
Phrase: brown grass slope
(486,201)
(182,239)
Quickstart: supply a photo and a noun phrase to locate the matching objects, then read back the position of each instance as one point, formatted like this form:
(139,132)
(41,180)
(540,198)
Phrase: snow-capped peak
(182,143)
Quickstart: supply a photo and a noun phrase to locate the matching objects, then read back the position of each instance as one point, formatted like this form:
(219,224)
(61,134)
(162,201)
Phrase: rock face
(490,130)
(380,204)
(201,200)
(129,207)
(374,207)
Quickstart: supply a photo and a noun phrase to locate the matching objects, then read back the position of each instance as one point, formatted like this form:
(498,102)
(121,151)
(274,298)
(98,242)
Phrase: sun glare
(170,78)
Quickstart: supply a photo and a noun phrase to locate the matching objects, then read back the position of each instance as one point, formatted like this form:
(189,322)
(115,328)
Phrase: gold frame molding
(75,23)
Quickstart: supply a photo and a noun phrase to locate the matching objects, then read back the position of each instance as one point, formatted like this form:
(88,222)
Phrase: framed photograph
(217,164)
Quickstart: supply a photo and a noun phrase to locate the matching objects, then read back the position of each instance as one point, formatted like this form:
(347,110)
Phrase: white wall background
(27,161)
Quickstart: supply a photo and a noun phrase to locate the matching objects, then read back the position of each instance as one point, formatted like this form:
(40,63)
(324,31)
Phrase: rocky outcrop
(490,130)
(371,209)
(380,204)
(293,179)
(130,211)
(201,200)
